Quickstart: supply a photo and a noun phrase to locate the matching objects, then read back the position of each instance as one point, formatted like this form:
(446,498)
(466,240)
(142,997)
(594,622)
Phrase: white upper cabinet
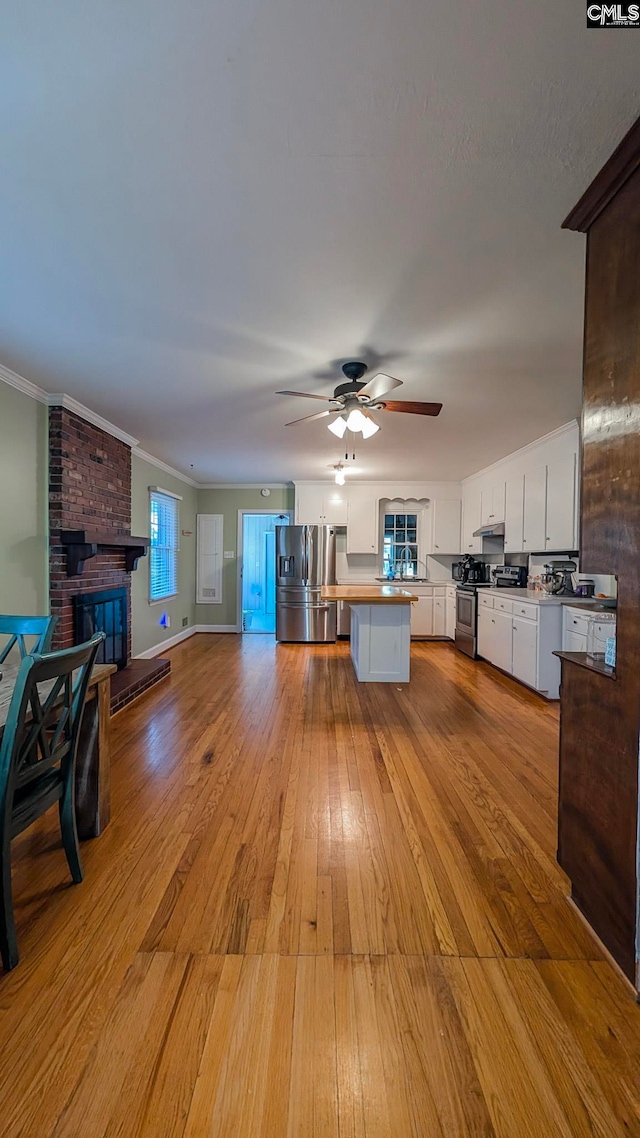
(561,499)
(362,519)
(445,535)
(318,504)
(535,510)
(514,515)
(471,517)
(492,503)
(537,501)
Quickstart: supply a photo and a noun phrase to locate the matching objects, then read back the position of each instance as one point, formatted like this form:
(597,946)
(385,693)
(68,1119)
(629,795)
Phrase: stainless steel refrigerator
(305,561)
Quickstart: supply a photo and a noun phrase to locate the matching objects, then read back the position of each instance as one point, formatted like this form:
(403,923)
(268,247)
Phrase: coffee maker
(473,572)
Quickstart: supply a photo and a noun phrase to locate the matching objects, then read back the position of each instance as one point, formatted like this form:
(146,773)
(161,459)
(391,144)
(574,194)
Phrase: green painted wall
(228,502)
(145,630)
(24,571)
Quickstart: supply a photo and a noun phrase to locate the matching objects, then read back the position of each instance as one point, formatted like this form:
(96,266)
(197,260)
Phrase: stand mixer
(556,578)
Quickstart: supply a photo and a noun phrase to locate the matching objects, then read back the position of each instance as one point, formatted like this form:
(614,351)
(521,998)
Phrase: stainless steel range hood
(496,530)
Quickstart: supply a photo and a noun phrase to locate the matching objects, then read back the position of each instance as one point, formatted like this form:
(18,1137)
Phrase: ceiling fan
(353,402)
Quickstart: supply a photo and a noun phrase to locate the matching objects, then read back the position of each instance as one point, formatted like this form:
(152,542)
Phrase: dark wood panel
(600,719)
(596,815)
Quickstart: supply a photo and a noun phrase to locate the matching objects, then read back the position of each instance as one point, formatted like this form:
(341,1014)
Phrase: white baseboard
(215,628)
(170,642)
(184,634)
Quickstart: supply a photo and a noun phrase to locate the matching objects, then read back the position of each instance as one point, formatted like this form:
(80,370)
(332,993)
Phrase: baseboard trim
(215,628)
(170,642)
(605,951)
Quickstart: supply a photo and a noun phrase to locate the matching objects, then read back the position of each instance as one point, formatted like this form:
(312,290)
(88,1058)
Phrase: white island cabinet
(380,630)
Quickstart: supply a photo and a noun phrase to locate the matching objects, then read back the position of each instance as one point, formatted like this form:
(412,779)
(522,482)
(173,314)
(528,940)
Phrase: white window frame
(159,493)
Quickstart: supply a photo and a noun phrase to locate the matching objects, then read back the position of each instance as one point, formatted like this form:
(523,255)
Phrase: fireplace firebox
(104,610)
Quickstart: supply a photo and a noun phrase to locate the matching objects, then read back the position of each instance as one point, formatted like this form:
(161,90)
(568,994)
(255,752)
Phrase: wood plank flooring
(321,909)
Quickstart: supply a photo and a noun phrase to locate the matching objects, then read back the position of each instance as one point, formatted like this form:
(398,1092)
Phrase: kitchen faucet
(405,559)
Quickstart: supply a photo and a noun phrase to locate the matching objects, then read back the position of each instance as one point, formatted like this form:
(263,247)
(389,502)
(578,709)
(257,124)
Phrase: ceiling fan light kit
(352,402)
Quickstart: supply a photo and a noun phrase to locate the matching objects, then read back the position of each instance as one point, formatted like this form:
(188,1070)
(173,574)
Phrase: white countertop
(536,598)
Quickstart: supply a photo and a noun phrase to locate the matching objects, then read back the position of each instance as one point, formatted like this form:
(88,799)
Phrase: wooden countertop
(368,594)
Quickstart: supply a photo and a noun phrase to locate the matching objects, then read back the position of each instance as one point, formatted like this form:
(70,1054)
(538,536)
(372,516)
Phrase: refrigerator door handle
(305,569)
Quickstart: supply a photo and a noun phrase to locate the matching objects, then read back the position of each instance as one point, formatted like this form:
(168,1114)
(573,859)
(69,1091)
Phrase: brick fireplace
(90,494)
(89,488)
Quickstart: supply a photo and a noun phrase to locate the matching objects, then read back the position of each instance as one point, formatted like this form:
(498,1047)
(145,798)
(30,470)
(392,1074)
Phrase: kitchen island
(380,630)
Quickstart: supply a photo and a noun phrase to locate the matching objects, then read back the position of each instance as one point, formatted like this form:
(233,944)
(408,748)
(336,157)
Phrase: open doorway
(257,569)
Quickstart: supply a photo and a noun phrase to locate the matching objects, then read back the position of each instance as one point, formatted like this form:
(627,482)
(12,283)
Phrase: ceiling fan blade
(305,395)
(376,387)
(310,418)
(410,408)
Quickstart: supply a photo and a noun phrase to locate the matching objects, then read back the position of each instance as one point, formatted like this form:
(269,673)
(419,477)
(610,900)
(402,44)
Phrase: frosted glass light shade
(338,426)
(369,428)
(356,420)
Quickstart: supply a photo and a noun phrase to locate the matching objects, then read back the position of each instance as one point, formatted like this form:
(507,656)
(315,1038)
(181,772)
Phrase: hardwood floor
(321,908)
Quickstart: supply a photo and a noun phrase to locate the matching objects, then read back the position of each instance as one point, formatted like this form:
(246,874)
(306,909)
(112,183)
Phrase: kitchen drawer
(521,608)
(439,591)
(575,623)
(502,604)
(485,602)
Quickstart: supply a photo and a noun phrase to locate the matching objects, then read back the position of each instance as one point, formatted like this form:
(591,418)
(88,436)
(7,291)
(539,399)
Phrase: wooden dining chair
(17,627)
(37,761)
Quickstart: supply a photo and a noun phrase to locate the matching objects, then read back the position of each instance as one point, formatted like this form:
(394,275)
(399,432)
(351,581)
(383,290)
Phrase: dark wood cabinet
(600,715)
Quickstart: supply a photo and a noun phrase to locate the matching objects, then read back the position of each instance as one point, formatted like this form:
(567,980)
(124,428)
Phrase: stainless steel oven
(466,619)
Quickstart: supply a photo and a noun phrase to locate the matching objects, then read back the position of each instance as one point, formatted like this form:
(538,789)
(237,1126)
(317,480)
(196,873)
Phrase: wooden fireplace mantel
(81,544)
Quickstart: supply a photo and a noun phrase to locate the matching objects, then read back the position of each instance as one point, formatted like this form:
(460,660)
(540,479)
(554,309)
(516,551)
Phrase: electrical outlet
(185,621)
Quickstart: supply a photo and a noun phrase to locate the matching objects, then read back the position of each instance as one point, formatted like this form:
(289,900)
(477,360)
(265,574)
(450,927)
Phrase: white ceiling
(203,201)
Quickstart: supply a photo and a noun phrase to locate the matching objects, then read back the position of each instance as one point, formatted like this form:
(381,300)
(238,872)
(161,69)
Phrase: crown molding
(146,457)
(245,485)
(22,384)
(76,408)
(555,434)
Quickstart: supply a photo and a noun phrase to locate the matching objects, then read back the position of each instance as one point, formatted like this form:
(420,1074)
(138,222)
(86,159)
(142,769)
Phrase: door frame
(271,513)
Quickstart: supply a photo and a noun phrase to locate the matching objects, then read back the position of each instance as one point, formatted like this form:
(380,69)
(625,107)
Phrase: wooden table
(380,630)
(93,766)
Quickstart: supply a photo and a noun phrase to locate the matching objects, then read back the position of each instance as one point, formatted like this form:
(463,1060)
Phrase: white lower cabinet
(524,651)
(522,645)
(502,640)
(450,619)
(422,616)
(439,616)
(429,612)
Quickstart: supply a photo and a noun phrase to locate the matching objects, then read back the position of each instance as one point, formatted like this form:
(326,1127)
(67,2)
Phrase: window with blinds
(163,554)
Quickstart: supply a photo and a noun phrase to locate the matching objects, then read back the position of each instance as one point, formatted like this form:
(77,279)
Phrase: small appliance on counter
(585,587)
(557,578)
(510,577)
(472,572)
